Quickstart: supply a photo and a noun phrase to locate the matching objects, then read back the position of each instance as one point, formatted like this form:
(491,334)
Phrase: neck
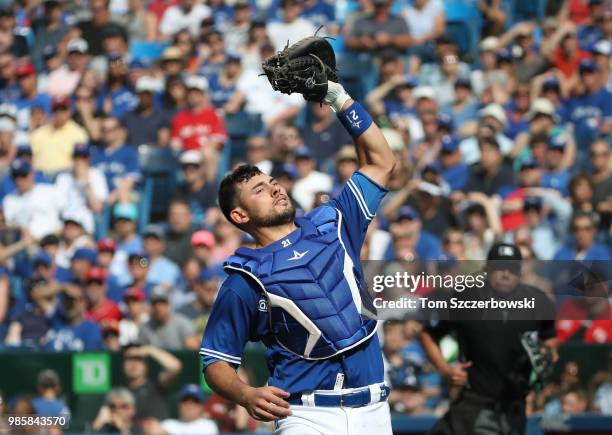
(268,235)
(49,394)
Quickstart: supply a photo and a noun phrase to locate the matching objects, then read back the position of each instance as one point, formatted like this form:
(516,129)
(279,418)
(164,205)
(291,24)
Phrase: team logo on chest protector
(317,300)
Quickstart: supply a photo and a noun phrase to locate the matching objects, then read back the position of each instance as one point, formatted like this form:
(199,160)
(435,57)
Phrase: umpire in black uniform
(489,386)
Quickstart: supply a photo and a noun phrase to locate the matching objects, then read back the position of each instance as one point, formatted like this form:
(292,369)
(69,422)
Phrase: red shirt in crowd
(568,66)
(158,7)
(107,312)
(193,130)
(574,324)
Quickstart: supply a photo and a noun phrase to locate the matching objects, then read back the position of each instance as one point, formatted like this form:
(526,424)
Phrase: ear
(239,216)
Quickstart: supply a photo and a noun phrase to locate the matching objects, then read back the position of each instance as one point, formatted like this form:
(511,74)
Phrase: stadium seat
(159,167)
(527,10)
(243,124)
(146,51)
(464,22)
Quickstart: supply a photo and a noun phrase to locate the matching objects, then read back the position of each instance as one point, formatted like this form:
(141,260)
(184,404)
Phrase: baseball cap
(603,47)
(286,169)
(154,230)
(191,391)
(81,217)
(542,106)
(81,150)
(125,210)
(232,58)
(303,152)
(159,294)
(23,151)
(49,52)
(347,152)
(107,245)
(529,164)
(49,240)
(532,202)
(407,212)
(504,256)
(445,121)
(203,238)
(42,258)
(196,82)
(77,45)
(551,84)
(557,143)
(489,43)
(20,167)
(25,69)
(60,102)
(171,53)
(587,65)
(205,274)
(139,256)
(426,92)
(95,274)
(147,84)
(134,293)
(496,111)
(503,55)
(86,254)
(137,64)
(191,157)
(449,143)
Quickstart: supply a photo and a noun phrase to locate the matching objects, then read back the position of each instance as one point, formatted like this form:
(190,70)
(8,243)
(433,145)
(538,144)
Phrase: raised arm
(376,160)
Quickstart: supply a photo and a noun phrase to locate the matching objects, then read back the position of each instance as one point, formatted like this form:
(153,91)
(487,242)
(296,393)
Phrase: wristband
(355,119)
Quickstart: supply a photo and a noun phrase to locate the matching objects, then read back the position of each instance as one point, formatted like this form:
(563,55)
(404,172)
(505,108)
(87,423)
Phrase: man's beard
(275,219)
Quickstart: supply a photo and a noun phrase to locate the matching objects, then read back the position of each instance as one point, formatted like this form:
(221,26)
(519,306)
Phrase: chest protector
(316,294)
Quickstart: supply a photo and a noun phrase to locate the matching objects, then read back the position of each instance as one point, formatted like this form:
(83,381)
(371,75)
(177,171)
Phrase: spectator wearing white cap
(76,233)
(199,127)
(194,186)
(487,72)
(492,122)
(64,80)
(146,124)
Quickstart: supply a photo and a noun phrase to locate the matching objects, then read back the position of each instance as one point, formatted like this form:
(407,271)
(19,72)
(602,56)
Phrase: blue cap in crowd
(551,84)
(20,167)
(303,152)
(286,169)
(81,150)
(557,143)
(445,121)
(431,167)
(449,143)
(407,212)
(529,164)
(191,391)
(125,210)
(232,58)
(206,274)
(532,202)
(587,65)
(42,258)
(86,254)
(49,52)
(504,55)
(23,150)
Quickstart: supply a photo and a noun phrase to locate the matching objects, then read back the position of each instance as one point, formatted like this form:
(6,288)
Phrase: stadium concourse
(118,118)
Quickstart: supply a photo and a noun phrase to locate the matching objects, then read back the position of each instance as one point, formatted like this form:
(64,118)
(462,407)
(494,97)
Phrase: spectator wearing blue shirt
(162,271)
(411,239)
(583,246)
(8,183)
(556,176)
(30,98)
(215,59)
(592,30)
(518,111)
(590,112)
(223,85)
(81,261)
(321,13)
(146,124)
(464,108)
(116,97)
(118,161)
(128,240)
(452,168)
(48,403)
(69,329)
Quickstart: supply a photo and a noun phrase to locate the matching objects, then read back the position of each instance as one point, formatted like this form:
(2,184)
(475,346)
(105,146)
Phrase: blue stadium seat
(241,125)
(464,22)
(146,51)
(523,10)
(159,167)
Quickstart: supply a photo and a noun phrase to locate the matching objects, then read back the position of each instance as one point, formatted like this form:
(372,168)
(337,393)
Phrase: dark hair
(228,189)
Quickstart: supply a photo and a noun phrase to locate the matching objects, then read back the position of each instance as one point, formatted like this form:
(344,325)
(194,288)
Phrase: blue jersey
(85,336)
(117,164)
(220,94)
(25,106)
(240,313)
(588,112)
(123,100)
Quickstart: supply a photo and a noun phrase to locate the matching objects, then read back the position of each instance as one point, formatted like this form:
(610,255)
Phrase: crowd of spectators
(507,140)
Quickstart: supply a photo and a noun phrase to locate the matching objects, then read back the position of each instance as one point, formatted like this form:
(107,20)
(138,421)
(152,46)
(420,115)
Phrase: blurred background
(119,117)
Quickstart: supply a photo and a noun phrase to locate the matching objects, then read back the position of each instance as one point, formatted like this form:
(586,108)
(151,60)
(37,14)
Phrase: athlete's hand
(457,373)
(266,403)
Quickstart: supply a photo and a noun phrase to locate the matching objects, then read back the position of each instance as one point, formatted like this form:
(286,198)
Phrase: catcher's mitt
(305,67)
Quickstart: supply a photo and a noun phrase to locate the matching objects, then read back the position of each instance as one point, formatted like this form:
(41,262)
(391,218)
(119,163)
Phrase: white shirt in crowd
(75,191)
(281,32)
(38,210)
(305,188)
(422,21)
(262,99)
(175,19)
(201,426)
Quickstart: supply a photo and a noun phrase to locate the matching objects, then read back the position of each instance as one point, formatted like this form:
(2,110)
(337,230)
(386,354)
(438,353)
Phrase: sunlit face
(263,202)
